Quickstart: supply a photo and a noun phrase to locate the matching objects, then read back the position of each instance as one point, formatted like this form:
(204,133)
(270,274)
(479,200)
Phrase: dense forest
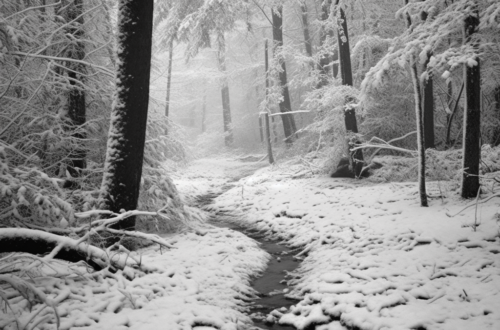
(103,102)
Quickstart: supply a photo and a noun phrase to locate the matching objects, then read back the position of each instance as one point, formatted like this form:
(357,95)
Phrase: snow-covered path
(373,258)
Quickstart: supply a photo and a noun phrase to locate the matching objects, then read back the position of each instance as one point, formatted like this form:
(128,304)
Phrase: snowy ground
(372,259)
(375,259)
(201,284)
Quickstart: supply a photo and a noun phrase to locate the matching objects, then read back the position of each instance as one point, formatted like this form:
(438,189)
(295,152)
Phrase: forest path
(373,257)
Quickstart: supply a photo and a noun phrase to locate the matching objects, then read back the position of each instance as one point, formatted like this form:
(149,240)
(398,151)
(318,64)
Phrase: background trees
(56,92)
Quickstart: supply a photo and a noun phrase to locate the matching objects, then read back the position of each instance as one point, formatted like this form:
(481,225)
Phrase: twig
(474,204)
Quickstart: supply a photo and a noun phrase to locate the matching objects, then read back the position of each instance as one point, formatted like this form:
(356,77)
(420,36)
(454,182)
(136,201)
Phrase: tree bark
(325,60)
(472,116)
(125,149)
(428,101)
(496,134)
(305,30)
(204,112)
(356,158)
(76,98)
(169,76)
(226,105)
(451,116)
(285,104)
(420,134)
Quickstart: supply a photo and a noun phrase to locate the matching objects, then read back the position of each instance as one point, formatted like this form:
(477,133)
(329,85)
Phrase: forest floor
(372,258)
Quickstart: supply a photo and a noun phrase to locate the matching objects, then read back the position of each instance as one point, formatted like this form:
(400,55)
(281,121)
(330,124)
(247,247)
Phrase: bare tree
(472,117)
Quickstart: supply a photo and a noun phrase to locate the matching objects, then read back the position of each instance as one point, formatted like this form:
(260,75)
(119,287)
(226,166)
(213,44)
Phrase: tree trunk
(495,141)
(305,30)
(451,116)
(76,98)
(325,60)
(428,101)
(268,139)
(356,158)
(472,116)
(420,134)
(169,75)
(127,133)
(285,104)
(266,92)
(204,112)
(335,64)
(226,105)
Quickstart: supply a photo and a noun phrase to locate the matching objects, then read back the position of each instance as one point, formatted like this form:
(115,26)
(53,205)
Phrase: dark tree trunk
(495,141)
(472,116)
(285,104)
(325,60)
(226,105)
(428,102)
(305,30)
(346,75)
(169,76)
(125,150)
(76,98)
(420,134)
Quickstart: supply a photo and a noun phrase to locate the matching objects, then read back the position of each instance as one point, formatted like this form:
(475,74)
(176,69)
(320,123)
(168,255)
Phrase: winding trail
(373,258)
(271,285)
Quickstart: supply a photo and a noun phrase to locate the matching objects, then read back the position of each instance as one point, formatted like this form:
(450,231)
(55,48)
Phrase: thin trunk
(285,104)
(496,134)
(266,116)
(335,64)
(204,112)
(169,75)
(449,104)
(452,115)
(226,105)
(305,30)
(268,140)
(420,134)
(325,60)
(472,116)
(76,99)
(428,103)
(266,65)
(346,75)
(127,134)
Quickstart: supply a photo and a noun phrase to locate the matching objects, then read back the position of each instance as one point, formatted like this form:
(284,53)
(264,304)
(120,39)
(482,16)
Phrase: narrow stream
(271,284)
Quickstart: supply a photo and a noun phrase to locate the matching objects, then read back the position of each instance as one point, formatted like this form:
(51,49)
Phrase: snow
(372,258)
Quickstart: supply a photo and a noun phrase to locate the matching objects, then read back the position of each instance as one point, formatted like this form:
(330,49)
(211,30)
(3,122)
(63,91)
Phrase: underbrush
(440,166)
